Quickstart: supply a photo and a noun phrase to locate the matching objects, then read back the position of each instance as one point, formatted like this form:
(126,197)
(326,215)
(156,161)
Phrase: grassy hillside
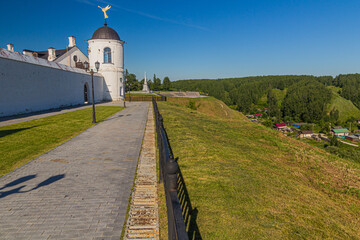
(250,182)
(346,108)
(210,106)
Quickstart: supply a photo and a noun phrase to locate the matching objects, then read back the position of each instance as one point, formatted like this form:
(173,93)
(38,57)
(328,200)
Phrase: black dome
(105,33)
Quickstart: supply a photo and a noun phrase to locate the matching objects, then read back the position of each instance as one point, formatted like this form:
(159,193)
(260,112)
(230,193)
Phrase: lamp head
(86,65)
(97,65)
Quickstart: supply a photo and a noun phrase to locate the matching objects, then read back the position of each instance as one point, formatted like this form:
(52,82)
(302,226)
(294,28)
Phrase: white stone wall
(29,84)
(113,72)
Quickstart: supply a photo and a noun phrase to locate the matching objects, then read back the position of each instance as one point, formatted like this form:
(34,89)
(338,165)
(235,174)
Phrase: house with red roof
(280,125)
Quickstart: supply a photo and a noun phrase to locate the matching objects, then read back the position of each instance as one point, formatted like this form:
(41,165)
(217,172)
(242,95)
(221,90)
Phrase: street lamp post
(97,66)
(125,83)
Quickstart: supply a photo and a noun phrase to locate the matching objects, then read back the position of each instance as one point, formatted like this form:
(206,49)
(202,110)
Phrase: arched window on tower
(107,55)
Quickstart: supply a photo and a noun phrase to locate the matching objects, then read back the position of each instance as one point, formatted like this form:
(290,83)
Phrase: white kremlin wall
(29,84)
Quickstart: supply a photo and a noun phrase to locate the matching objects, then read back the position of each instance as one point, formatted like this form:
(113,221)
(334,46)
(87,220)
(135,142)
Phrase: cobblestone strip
(143,221)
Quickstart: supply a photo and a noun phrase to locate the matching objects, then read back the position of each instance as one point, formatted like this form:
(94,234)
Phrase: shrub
(334,141)
(268,123)
(192,105)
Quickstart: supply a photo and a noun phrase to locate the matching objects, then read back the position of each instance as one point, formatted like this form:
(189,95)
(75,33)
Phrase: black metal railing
(169,170)
(139,98)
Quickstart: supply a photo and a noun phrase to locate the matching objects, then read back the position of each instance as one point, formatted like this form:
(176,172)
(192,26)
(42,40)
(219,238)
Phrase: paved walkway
(4,121)
(143,221)
(79,190)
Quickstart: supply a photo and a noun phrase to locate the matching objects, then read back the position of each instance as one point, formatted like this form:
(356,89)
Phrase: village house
(341,132)
(305,134)
(280,126)
(283,128)
(352,138)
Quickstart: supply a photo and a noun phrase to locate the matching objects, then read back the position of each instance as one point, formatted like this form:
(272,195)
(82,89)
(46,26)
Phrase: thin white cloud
(93,3)
(86,2)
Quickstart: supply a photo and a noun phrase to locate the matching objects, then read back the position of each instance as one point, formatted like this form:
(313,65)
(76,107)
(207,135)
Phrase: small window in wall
(107,55)
(121,91)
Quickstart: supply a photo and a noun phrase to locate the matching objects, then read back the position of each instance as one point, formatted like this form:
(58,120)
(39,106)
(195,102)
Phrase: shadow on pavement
(113,117)
(18,181)
(48,181)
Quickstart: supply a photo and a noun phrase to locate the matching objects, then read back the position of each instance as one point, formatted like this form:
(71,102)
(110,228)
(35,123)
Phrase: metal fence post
(172,169)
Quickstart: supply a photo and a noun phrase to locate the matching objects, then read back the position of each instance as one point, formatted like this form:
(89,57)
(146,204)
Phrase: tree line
(133,84)
(305,100)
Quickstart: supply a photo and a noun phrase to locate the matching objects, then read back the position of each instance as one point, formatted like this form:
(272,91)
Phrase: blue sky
(200,39)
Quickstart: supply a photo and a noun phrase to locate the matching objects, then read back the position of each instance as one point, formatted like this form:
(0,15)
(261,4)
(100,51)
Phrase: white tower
(106,47)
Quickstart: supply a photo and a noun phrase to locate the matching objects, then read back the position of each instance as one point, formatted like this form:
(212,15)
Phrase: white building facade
(70,56)
(40,80)
(106,47)
(29,84)
(74,55)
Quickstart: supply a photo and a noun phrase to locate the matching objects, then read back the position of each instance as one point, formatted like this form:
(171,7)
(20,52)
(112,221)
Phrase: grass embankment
(250,182)
(345,107)
(22,142)
(210,106)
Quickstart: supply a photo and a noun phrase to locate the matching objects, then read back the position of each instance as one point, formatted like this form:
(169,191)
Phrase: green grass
(346,108)
(250,182)
(22,142)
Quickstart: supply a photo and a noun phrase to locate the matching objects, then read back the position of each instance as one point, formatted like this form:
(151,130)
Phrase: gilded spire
(104,10)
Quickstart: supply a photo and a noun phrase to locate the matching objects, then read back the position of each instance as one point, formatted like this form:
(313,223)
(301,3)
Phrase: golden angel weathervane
(104,10)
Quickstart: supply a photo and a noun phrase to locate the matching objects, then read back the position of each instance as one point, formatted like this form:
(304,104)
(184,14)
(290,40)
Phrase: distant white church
(40,80)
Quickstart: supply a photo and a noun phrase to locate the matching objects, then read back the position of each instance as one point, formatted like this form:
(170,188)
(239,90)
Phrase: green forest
(297,98)
(133,84)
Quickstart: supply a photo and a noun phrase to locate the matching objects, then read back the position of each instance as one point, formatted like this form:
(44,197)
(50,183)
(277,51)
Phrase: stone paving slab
(79,190)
